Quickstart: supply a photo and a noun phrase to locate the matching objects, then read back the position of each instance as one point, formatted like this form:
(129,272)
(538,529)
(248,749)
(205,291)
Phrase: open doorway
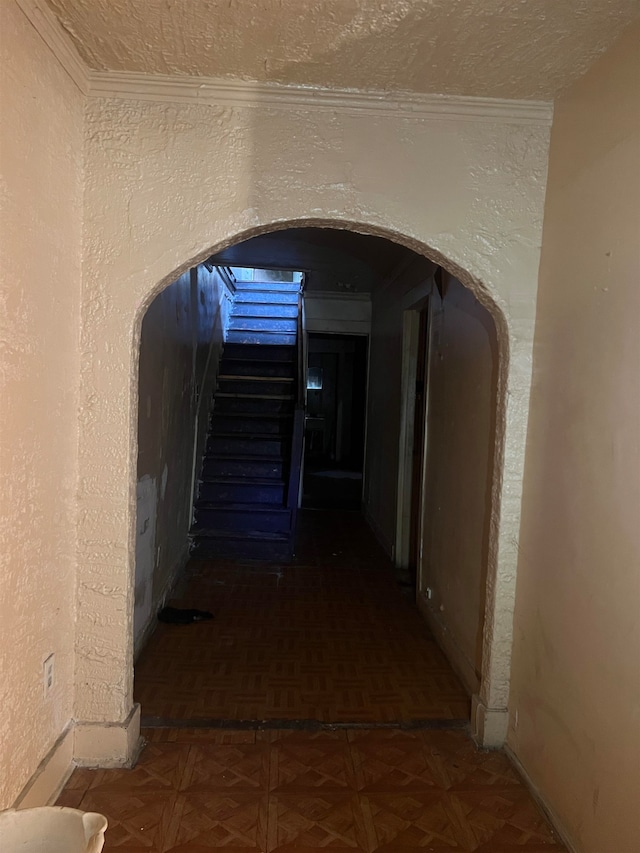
(335,421)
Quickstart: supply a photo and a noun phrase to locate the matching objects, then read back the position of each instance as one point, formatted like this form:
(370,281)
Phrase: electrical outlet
(48,674)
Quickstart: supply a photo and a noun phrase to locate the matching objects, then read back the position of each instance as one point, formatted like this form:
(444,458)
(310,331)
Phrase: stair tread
(265,415)
(241,481)
(243,457)
(213,532)
(240,507)
(234,377)
(238,396)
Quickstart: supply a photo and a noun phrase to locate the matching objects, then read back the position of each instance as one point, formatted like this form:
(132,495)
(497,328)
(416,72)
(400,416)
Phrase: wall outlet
(48,674)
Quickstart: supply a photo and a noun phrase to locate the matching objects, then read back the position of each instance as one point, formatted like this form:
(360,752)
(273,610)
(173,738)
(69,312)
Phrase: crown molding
(241,93)
(57,40)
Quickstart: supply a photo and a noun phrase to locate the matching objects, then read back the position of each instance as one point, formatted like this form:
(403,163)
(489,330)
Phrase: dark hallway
(315,711)
(326,638)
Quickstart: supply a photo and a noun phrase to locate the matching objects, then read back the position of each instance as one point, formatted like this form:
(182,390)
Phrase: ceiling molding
(240,93)
(57,40)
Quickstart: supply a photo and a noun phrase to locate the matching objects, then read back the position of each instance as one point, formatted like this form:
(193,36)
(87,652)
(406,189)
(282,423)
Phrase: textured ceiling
(528,49)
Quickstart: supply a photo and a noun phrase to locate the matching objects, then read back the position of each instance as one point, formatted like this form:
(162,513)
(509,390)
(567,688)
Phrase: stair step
(250,518)
(258,353)
(235,367)
(262,446)
(260,309)
(252,405)
(243,467)
(257,385)
(276,286)
(274,547)
(263,324)
(234,490)
(265,296)
(237,336)
(252,424)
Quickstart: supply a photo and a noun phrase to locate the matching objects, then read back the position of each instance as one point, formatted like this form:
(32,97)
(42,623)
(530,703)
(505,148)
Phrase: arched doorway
(500,357)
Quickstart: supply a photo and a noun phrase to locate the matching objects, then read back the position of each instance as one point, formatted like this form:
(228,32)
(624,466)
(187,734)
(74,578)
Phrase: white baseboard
(461,665)
(108,744)
(488,725)
(52,773)
(564,835)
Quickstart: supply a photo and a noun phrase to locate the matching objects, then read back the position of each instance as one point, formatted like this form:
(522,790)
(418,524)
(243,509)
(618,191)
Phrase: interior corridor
(314,711)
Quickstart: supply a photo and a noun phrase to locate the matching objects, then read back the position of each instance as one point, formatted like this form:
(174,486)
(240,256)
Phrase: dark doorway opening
(335,422)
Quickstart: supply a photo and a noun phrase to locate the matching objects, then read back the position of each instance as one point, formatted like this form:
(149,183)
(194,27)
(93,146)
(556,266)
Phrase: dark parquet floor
(315,711)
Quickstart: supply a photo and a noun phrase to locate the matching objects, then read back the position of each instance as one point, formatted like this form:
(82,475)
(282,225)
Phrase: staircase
(248,491)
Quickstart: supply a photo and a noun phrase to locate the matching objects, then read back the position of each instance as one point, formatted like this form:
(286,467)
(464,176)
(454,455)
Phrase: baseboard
(108,744)
(52,773)
(562,832)
(150,625)
(385,542)
(461,665)
(488,725)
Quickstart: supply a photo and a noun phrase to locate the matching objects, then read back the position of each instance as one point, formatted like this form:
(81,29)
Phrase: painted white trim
(242,93)
(57,40)
(108,744)
(176,88)
(44,787)
(410,333)
(488,725)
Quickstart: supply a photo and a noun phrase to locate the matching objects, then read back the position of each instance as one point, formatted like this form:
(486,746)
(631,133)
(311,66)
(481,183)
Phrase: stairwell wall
(181,339)
(41,145)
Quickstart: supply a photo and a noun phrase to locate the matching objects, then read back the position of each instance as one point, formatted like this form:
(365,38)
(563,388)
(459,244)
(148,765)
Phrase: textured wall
(576,676)
(167,184)
(181,337)
(462,384)
(41,137)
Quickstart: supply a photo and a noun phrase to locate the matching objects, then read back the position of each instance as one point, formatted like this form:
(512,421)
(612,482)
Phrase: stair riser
(260,338)
(235,367)
(246,406)
(240,425)
(249,386)
(261,309)
(276,287)
(217,445)
(249,493)
(242,468)
(276,325)
(244,549)
(277,521)
(258,352)
(267,297)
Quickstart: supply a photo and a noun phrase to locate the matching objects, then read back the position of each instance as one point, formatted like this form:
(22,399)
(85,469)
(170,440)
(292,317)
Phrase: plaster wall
(41,142)
(461,406)
(576,681)
(181,338)
(169,183)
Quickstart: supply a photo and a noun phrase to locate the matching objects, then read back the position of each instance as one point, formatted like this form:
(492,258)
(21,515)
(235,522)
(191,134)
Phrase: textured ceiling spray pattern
(487,48)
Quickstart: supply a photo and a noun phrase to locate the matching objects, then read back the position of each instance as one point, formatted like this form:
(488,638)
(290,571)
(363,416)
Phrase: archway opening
(432,437)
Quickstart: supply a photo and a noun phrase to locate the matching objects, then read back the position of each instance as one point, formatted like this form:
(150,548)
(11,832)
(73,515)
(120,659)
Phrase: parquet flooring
(367,790)
(328,638)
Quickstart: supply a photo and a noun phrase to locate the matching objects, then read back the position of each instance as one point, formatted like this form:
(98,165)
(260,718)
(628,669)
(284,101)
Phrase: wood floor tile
(299,823)
(293,653)
(237,767)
